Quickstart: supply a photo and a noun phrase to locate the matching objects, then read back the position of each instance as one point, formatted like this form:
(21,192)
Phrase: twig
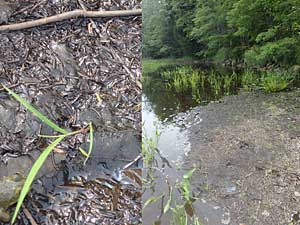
(29,216)
(68,15)
(132,162)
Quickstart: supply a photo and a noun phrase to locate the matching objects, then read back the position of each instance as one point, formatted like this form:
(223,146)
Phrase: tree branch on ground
(69,15)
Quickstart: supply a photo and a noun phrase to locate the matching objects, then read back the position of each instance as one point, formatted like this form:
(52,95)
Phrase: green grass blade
(168,205)
(62,135)
(152,199)
(189,174)
(32,173)
(83,152)
(52,136)
(91,141)
(35,111)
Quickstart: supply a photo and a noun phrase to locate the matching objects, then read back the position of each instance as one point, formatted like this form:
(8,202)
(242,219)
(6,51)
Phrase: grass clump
(250,80)
(274,81)
(41,159)
(215,82)
(182,79)
(199,83)
(185,79)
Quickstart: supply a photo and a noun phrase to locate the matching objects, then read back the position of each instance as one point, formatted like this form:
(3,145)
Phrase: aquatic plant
(177,83)
(183,213)
(215,82)
(149,147)
(179,217)
(195,79)
(197,83)
(250,79)
(274,81)
(180,81)
(41,159)
(185,185)
(196,95)
(167,75)
(149,150)
(185,79)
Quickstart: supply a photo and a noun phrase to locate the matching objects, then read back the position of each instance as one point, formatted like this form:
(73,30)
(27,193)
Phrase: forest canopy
(257,32)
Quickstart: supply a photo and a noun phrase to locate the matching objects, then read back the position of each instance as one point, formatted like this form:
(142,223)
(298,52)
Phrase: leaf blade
(35,112)
(31,175)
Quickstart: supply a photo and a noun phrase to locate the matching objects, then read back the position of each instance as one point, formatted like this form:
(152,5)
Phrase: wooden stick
(68,15)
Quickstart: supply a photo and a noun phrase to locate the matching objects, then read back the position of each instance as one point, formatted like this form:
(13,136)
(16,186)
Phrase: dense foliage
(257,32)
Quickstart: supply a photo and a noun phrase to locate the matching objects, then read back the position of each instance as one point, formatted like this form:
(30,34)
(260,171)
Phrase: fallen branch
(69,15)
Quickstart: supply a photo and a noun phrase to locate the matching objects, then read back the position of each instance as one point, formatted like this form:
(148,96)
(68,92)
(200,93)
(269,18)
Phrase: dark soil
(60,69)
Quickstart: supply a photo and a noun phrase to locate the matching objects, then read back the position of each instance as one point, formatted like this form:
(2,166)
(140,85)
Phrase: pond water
(164,111)
(174,146)
(173,142)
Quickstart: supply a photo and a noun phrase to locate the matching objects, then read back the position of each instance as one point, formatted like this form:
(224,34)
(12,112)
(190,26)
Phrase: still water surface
(165,111)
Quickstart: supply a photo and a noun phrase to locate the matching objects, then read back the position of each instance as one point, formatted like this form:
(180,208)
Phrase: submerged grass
(41,159)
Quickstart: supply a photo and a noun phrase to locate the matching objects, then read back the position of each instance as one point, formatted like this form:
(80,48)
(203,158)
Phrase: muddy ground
(246,150)
(76,71)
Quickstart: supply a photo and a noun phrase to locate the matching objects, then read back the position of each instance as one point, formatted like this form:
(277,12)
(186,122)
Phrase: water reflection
(173,142)
(164,111)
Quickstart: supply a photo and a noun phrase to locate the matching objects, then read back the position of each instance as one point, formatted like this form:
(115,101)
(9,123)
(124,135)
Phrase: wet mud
(76,71)
(246,150)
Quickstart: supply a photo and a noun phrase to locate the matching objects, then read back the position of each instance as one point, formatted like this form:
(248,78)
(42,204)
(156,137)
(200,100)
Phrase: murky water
(173,142)
(164,111)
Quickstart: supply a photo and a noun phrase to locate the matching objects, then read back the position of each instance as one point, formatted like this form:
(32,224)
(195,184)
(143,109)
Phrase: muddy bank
(246,149)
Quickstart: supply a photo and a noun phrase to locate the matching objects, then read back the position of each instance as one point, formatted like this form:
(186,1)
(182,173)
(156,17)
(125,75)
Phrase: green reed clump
(197,84)
(167,75)
(274,81)
(250,79)
(229,81)
(215,81)
(179,79)
(185,79)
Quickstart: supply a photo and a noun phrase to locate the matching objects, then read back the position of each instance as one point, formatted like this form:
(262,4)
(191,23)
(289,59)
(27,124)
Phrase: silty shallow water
(166,112)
